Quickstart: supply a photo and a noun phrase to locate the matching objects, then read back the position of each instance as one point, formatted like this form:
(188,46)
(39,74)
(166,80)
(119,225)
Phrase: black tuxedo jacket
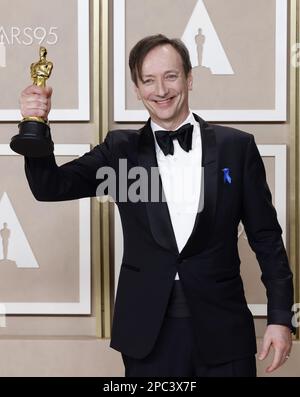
(209,264)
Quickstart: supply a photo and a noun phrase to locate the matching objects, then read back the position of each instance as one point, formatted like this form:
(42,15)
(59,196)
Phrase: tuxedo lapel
(205,219)
(158,212)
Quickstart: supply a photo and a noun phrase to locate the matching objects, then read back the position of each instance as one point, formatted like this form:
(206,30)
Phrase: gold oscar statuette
(34,138)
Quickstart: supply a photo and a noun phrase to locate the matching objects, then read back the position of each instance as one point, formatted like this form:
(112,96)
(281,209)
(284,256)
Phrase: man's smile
(163,102)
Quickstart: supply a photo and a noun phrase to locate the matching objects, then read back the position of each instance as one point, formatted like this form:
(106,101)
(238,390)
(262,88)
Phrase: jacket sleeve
(74,180)
(264,234)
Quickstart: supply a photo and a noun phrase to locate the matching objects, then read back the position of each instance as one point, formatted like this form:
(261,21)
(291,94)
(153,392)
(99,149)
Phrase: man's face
(164,87)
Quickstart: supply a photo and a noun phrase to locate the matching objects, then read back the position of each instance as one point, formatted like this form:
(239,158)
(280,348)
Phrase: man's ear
(137,91)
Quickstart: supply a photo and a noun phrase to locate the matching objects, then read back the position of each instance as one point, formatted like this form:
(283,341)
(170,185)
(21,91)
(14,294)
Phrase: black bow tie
(184,135)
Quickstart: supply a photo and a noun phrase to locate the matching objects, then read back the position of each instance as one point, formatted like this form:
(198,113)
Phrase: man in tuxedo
(180,308)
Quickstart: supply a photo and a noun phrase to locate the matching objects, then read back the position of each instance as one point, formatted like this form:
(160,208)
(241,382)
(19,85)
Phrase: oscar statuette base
(33,140)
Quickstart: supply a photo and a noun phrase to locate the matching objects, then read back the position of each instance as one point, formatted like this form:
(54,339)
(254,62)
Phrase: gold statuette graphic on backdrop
(34,138)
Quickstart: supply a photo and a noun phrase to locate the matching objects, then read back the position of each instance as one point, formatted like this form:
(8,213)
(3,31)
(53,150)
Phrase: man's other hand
(280,338)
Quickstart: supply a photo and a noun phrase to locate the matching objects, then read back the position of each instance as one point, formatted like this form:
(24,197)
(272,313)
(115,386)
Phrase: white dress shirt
(181,176)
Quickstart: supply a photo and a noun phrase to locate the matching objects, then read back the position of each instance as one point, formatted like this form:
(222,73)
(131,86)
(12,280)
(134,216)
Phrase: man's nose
(161,88)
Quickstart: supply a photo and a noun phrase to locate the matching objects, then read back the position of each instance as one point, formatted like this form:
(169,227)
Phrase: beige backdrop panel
(52,230)
(247,33)
(23,25)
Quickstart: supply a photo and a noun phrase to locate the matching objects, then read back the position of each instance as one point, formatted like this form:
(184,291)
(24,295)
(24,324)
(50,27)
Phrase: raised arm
(73,180)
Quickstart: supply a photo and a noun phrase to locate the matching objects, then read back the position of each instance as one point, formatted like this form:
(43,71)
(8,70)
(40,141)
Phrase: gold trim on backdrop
(297,153)
(294,149)
(96,249)
(104,207)
(297,146)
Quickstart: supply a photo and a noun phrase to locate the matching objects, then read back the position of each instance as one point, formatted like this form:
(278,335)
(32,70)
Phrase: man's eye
(171,76)
(148,81)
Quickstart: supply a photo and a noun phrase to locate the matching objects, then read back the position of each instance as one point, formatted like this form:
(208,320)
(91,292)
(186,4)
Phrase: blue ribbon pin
(227,177)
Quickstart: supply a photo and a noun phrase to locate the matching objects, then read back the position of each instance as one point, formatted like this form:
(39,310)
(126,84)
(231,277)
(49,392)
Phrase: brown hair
(144,46)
